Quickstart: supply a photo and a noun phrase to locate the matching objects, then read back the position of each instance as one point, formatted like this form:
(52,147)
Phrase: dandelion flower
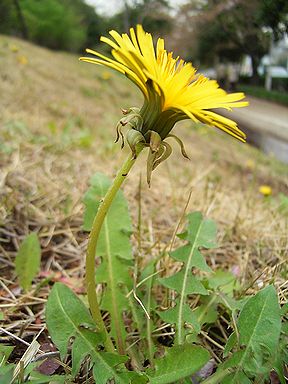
(172,91)
(250,164)
(106,75)
(22,60)
(265,190)
(13,48)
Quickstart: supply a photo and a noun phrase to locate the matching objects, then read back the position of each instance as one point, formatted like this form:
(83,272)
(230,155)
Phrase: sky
(109,7)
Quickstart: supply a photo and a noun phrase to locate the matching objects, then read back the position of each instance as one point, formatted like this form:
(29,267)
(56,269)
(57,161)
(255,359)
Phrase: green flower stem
(92,244)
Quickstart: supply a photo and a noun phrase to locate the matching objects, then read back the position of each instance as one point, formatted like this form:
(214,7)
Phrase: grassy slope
(262,93)
(57,128)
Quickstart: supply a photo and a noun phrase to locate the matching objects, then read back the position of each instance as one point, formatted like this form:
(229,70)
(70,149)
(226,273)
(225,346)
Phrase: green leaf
(65,316)
(109,367)
(284,309)
(200,233)
(177,282)
(115,251)
(283,206)
(119,221)
(178,363)
(241,379)
(91,201)
(282,353)
(259,326)
(5,352)
(224,281)
(230,303)
(206,312)
(27,260)
(279,364)
(65,312)
(6,373)
(231,342)
(38,378)
(171,315)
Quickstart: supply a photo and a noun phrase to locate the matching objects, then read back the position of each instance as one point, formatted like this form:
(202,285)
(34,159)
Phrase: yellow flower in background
(172,90)
(13,48)
(22,60)
(106,75)
(265,190)
(250,164)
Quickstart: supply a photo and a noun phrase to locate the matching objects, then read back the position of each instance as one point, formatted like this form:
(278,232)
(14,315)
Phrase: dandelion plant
(173,91)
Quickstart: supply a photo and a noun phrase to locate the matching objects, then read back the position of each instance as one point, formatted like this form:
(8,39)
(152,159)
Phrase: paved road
(264,117)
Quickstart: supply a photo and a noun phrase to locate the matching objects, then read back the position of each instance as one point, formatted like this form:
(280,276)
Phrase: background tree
(152,14)
(7,17)
(95,25)
(58,24)
(53,24)
(241,26)
(228,29)
(21,19)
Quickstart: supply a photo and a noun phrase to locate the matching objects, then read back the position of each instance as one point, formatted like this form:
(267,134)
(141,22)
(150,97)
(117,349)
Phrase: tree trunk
(126,17)
(255,76)
(23,26)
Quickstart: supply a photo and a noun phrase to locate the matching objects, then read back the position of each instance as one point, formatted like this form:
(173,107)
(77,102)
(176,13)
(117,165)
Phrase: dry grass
(57,128)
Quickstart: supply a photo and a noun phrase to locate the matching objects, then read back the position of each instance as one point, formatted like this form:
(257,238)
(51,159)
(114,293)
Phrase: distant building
(274,65)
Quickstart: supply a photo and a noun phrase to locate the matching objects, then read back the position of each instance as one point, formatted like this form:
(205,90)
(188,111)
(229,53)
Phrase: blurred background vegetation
(207,32)
(73,25)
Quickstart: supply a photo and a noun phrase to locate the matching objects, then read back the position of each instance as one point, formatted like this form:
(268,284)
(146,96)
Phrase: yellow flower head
(265,190)
(22,60)
(106,75)
(172,90)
